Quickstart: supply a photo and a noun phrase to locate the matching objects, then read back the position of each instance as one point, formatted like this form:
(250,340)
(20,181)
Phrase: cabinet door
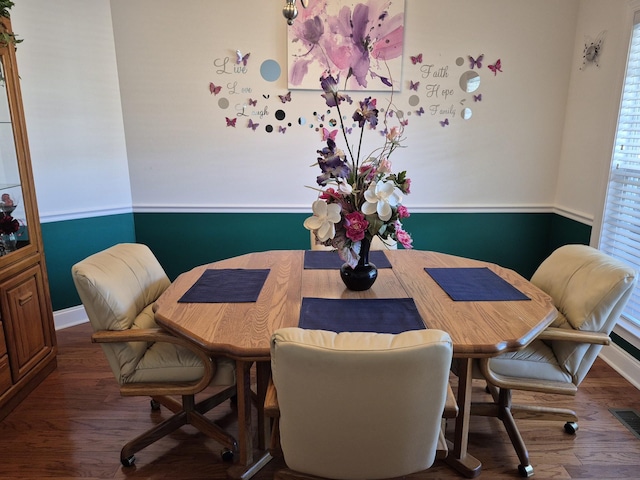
(5,374)
(23,310)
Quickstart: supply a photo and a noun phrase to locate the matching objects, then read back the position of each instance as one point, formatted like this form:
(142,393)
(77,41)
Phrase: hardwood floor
(75,423)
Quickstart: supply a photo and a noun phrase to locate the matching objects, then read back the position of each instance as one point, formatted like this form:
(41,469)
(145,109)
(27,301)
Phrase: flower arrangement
(360,198)
(8,224)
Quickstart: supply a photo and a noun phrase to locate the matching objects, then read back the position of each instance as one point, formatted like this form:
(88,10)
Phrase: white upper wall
(592,108)
(540,137)
(182,155)
(71,99)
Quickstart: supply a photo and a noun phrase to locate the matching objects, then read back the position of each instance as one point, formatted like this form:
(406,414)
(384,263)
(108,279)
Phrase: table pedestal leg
(458,457)
(247,466)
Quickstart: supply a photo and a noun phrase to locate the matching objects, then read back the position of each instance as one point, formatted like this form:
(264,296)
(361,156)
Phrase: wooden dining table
(242,331)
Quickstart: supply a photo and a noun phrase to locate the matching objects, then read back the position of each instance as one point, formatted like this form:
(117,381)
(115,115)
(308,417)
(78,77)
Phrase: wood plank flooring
(75,423)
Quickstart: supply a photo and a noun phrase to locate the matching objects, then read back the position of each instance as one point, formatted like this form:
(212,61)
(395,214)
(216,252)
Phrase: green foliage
(7,38)
(5,6)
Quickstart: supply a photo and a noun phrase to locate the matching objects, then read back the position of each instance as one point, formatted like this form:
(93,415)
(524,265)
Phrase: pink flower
(393,135)
(404,238)
(329,194)
(368,170)
(406,186)
(403,212)
(356,226)
(385,166)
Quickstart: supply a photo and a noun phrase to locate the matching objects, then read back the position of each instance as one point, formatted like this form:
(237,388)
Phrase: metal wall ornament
(592,50)
(290,11)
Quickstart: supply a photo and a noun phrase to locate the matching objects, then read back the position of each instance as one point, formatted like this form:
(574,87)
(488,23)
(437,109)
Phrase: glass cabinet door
(14,231)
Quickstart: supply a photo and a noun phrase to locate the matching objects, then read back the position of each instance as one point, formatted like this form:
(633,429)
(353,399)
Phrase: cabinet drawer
(5,374)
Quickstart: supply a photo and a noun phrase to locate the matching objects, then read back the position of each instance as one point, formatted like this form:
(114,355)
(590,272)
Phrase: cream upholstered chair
(118,287)
(376,244)
(589,289)
(359,405)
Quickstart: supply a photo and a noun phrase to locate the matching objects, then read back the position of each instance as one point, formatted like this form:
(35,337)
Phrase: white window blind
(620,235)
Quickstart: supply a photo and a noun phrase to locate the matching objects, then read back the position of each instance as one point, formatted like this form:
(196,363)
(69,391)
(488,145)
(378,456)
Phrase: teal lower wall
(519,241)
(68,242)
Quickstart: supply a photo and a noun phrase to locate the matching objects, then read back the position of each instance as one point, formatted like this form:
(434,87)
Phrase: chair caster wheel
(129,461)
(155,406)
(525,471)
(571,428)
(227,455)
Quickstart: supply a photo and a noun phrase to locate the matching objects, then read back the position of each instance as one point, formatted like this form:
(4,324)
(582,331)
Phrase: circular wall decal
(270,70)
(223,103)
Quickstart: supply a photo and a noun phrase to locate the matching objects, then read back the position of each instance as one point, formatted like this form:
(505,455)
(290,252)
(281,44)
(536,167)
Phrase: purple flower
(367,113)
(313,28)
(332,163)
(330,87)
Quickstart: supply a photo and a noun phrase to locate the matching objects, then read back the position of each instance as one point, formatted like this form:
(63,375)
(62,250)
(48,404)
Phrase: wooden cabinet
(27,336)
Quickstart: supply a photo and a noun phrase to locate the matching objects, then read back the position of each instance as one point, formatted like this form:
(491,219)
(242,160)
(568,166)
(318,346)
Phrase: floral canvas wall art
(361,41)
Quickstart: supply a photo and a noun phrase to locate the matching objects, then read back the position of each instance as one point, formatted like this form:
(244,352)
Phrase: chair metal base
(503,409)
(186,412)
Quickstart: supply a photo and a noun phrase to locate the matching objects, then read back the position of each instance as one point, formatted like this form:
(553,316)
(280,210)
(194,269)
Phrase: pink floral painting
(361,41)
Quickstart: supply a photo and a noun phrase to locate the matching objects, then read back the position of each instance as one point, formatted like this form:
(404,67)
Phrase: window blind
(620,235)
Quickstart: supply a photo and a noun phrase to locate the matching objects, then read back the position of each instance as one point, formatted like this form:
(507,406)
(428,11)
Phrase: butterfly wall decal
(420,111)
(444,123)
(285,98)
(215,90)
(282,129)
(240,59)
(416,59)
(477,98)
(413,85)
(496,67)
(326,134)
(477,62)
(253,125)
(253,103)
(404,123)
(231,122)
(266,97)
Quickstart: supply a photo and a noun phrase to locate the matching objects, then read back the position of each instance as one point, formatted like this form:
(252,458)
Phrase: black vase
(364,274)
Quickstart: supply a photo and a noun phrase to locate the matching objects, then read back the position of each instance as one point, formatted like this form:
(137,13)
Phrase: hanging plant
(7,38)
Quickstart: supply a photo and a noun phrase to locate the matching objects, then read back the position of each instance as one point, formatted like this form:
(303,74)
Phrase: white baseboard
(69,317)
(623,363)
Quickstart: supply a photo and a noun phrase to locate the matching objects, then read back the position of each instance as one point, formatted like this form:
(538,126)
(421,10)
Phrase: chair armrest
(271,407)
(450,405)
(137,335)
(553,333)
(159,335)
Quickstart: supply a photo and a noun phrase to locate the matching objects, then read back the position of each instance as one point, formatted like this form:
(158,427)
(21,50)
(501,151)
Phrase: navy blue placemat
(474,285)
(379,315)
(323,259)
(229,285)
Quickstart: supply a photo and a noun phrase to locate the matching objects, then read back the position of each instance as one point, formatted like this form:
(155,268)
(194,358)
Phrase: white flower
(325,216)
(380,197)
(344,187)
